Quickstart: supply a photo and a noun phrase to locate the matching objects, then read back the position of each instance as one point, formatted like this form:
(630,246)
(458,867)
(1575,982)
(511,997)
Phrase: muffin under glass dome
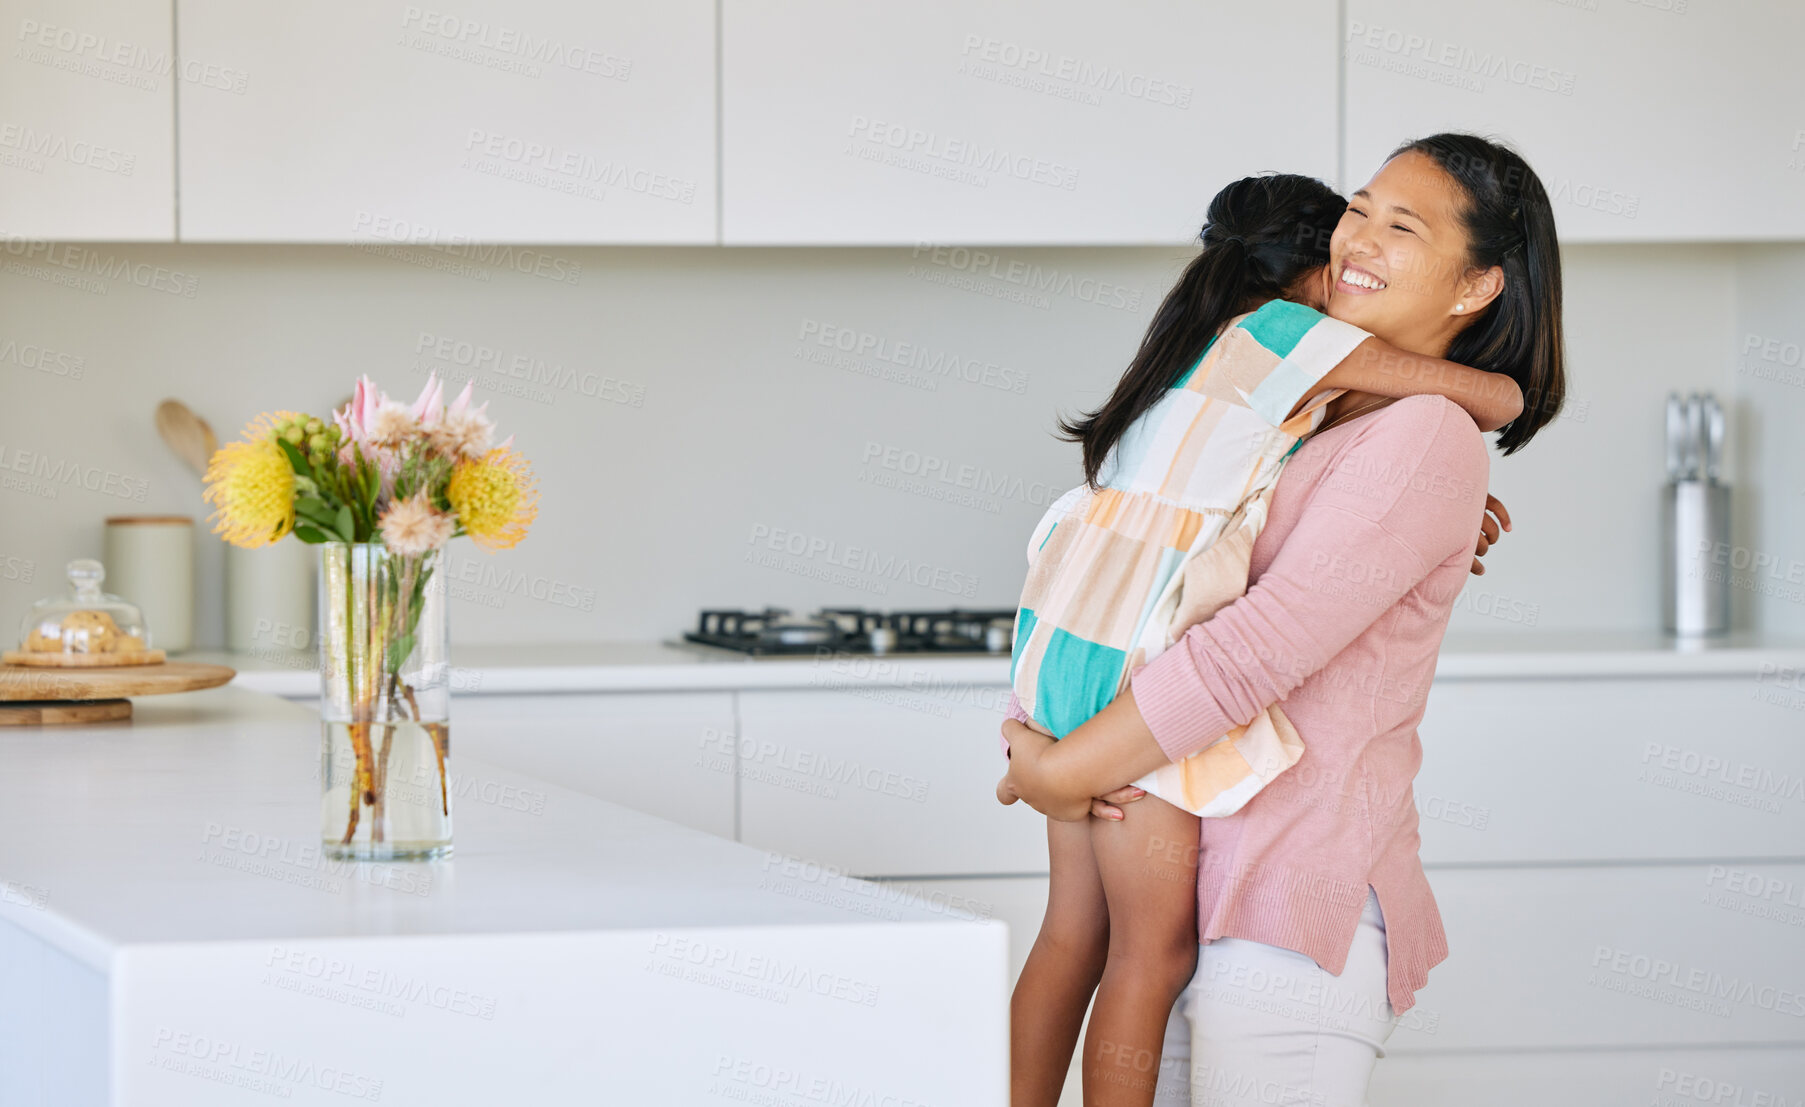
(85,621)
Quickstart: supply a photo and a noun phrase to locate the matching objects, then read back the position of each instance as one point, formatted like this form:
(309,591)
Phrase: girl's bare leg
(1148,866)
(1062,970)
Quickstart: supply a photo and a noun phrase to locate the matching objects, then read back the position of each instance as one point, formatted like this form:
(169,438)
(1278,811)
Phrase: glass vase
(385,704)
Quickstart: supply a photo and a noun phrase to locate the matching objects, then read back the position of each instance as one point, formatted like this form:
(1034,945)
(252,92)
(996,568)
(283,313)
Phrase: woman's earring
(1460,307)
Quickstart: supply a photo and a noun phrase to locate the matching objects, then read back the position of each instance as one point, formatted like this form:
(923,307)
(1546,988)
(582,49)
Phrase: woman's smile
(1355,281)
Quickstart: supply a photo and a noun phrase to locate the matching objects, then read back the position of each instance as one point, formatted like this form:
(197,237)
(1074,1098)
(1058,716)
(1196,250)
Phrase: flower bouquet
(380,490)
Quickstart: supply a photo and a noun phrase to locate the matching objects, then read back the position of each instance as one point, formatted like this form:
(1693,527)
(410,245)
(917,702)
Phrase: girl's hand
(1025,743)
(1495,515)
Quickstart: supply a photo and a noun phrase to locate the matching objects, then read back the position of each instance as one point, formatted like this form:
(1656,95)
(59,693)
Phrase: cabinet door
(525,121)
(1600,1078)
(1023,121)
(87,135)
(1645,119)
(651,751)
(1020,902)
(1556,960)
(1596,770)
(882,785)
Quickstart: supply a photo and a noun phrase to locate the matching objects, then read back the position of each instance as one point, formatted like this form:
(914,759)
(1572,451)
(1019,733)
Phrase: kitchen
(786,344)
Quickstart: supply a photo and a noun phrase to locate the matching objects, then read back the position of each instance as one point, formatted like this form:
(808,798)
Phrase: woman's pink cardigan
(1368,543)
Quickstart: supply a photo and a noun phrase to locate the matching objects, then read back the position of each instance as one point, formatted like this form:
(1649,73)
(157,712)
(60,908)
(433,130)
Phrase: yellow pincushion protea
(495,497)
(252,486)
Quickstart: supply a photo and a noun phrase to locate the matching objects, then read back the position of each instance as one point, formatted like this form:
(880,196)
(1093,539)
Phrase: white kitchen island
(171,934)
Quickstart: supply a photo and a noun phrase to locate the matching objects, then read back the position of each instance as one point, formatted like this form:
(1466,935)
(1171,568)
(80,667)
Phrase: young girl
(1180,462)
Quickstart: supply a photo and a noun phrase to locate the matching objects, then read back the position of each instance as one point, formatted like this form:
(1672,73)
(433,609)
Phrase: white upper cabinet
(87,144)
(1647,120)
(487,120)
(1014,121)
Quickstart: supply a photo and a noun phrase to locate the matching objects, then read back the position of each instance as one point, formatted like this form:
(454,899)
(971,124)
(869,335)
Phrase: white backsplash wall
(799,427)
(1768,562)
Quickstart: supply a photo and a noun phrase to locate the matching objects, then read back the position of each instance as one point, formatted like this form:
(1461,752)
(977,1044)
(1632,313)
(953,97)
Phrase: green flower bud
(313,427)
(317,444)
(293,434)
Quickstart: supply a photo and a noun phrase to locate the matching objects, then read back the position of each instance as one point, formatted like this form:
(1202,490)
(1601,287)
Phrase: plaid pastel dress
(1119,573)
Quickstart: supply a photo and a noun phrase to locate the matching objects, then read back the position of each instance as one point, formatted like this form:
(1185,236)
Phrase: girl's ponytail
(1263,235)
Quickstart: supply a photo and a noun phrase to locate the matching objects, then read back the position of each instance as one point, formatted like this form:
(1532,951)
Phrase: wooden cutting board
(37,696)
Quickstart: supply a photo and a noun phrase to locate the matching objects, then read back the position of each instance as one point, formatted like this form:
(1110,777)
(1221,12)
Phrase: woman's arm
(1055,778)
(1360,546)
(1378,367)
(1122,739)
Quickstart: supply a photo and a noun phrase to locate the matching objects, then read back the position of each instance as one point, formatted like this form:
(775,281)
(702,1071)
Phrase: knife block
(1696,558)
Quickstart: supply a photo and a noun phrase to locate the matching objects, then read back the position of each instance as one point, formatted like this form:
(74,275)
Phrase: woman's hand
(1495,515)
(1029,781)
(1107,806)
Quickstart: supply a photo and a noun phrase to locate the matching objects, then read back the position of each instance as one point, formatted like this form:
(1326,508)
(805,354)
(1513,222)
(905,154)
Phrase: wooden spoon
(187,434)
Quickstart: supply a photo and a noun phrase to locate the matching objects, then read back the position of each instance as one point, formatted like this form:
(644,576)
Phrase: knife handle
(1676,436)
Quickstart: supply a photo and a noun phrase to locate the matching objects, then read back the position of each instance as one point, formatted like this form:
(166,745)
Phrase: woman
(1448,251)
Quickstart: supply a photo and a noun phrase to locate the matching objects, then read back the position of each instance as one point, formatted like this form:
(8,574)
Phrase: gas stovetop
(774,632)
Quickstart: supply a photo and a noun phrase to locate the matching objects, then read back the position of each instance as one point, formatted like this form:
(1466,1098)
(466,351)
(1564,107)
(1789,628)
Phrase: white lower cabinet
(883,785)
(1604,770)
(1612,957)
(1609,987)
(655,752)
(1612,986)
(1676,1076)
(1019,901)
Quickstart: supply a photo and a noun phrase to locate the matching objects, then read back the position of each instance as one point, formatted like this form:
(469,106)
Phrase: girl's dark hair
(1263,234)
(1510,224)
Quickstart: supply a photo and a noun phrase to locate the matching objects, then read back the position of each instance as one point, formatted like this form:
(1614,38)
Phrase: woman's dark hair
(1510,224)
(1262,235)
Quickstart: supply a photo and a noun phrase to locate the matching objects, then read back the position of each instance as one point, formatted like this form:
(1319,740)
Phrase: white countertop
(633,667)
(1582,654)
(661,666)
(198,821)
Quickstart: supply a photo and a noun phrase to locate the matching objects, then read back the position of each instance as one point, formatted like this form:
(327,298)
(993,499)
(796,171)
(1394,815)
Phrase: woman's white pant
(1260,1026)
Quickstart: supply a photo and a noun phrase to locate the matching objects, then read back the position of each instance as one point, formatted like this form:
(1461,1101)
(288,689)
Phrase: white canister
(269,598)
(149,560)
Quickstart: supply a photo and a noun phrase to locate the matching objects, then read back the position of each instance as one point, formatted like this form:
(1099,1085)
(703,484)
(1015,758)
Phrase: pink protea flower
(354,421)
(462,432)
(430,406)
(380,427)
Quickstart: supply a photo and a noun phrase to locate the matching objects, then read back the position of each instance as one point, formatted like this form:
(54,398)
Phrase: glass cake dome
(85,620)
